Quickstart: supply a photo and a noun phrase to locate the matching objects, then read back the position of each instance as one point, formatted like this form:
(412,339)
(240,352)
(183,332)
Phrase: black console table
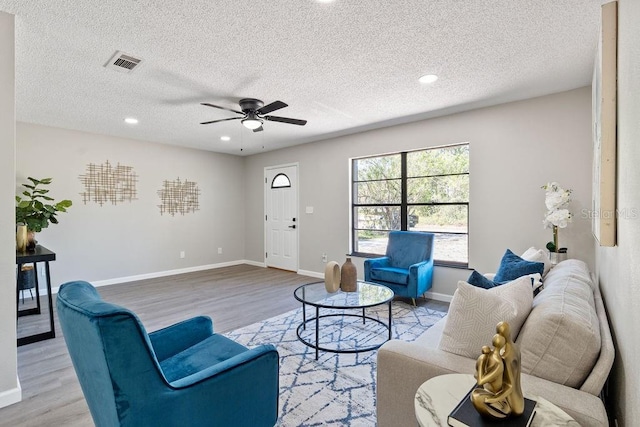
(40,254)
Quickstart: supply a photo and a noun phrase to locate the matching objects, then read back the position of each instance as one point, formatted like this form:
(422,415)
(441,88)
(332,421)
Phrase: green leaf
(18,199)
(38,205)
(53,220)
(49,208)
(26,193)
(46,180)
(35,181)
(64,203)
(23,204)
(41,191)
(47,198)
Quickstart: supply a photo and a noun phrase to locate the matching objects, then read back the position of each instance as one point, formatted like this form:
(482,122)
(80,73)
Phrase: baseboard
(254,263)
(311,274)
(438,296)
(157,274)
(9,397)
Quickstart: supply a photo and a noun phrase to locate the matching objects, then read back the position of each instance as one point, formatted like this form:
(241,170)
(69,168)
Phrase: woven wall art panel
(106,183)
(179,197)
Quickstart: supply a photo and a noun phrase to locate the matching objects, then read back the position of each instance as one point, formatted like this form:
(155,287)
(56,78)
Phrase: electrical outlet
(182,254)
(324,257)
(219,251)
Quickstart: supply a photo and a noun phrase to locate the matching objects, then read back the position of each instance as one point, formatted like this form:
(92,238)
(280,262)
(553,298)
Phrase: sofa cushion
(215,349)
(560,340)
(485,281)
(512,266)
(538,255)
(474,313)
(480,281)
(390,274)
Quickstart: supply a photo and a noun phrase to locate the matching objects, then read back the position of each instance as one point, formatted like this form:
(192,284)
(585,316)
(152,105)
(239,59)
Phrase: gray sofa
(558,341)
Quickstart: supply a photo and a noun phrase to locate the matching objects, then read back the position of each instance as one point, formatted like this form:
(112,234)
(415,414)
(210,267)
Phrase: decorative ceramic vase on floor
(332,277)
(21,237)
(349,277)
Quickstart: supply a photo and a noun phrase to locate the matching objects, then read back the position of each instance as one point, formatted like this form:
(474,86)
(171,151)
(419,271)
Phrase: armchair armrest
(378,262)
(374,263)
(173,339)
(420,277)
(421,266)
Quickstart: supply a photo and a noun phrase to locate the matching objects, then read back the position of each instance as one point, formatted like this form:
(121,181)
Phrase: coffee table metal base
(316,320)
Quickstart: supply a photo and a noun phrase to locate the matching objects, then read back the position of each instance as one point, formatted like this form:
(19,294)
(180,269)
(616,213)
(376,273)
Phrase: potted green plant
(37,210)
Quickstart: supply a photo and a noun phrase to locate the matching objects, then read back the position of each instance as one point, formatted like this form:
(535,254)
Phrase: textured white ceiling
(345,66)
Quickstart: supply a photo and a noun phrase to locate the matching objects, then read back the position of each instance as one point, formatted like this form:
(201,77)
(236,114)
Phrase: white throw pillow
(538,255)
(474,313)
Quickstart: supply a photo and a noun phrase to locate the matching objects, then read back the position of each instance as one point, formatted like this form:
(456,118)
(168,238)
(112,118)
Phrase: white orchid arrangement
(558,216)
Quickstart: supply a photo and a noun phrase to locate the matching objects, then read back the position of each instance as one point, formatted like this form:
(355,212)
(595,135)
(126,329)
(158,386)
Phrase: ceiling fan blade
(276,105)
(286,120)
(260,129)
(221,120)
(221,108)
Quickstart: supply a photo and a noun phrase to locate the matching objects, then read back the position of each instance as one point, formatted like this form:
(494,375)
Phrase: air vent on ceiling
(123,62)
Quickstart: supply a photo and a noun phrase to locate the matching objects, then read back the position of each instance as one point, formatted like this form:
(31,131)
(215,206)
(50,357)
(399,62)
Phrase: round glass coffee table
(367,295)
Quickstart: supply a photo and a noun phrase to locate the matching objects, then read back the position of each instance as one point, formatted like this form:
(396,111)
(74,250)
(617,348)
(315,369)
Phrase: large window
(425,190)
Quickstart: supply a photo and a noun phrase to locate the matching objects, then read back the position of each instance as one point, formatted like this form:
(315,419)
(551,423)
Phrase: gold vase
(21,237)
(348,277)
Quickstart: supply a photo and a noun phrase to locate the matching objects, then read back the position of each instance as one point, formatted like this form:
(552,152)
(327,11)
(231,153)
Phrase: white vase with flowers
(557,201)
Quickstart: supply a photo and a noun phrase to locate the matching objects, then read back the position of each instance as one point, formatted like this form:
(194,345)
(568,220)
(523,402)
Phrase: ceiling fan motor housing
(250,104)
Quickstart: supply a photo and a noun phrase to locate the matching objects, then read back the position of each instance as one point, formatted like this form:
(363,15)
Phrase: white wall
(9,388)
(515,149)
(109,242)
(619,267)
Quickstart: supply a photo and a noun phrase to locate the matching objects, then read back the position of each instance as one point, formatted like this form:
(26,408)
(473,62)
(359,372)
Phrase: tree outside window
(425,190)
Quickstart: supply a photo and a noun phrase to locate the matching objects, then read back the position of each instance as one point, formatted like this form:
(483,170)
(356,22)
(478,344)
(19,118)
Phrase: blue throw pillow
(512,267)
(478,280)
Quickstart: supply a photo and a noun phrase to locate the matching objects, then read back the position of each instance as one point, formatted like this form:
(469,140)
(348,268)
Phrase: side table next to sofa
(437,397)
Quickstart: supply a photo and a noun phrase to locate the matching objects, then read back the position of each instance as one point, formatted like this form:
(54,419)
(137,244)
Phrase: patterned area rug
(336,389)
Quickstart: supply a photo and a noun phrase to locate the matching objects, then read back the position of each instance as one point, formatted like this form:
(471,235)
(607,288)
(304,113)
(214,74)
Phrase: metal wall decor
(105,183)
(178,197)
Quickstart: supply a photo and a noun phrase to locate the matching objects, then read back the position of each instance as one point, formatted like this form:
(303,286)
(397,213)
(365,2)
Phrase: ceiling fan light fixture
(252,123)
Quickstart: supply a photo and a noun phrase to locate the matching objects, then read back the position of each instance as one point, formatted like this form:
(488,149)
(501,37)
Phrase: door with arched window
(281,217)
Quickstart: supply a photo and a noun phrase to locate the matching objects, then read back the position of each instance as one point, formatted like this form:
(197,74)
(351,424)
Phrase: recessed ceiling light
(131,120)
(325,1)
(225,138)
(428,78)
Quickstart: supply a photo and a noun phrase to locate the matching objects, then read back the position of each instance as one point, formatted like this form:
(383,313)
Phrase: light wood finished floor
(232,296)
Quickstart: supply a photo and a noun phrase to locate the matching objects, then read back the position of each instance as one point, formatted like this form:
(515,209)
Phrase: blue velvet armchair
(407,267)
(182,375)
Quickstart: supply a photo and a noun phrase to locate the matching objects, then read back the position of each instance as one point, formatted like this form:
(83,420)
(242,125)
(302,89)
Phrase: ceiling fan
(254,114)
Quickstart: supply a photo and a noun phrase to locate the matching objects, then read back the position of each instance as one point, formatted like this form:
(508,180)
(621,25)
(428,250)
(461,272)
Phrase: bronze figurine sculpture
(498,393)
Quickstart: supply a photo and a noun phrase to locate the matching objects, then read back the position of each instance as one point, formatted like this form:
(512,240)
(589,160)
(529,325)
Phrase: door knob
(292,226)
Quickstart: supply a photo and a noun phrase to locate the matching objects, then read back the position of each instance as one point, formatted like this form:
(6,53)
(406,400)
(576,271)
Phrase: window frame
(404,205)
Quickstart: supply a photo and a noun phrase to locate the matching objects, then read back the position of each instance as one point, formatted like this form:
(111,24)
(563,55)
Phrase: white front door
(281,217)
